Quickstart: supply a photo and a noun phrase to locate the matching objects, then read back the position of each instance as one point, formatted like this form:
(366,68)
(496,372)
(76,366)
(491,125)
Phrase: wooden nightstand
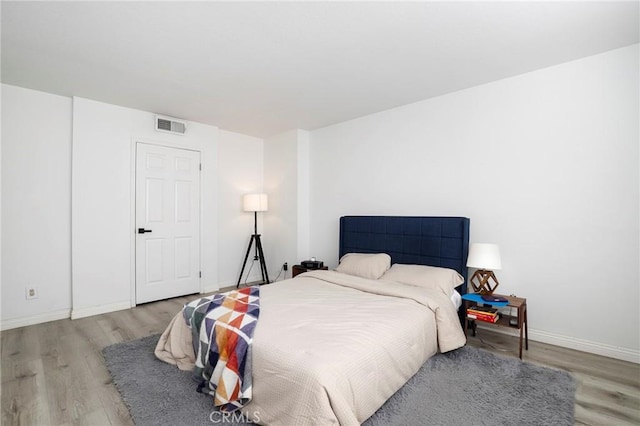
(298,269)
(519,303)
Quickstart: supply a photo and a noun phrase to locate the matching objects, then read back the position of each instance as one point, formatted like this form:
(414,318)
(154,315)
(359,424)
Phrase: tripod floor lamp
(255,203)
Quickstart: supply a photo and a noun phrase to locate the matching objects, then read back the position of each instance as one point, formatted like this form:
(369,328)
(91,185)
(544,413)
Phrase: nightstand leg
(520,354)
(466,320)
(526,329)
(521,325)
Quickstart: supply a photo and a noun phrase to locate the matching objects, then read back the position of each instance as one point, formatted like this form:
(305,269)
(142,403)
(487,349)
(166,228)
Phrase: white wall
(1,90)
(36,195)
(286,176)
(545,164)
(304,210)
(36,205)
(240,169)
(104,138)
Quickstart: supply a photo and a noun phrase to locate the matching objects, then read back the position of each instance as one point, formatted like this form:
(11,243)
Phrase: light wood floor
(54,373)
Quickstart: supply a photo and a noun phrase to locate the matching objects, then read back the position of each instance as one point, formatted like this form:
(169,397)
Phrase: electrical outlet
(31,293)
(285,266)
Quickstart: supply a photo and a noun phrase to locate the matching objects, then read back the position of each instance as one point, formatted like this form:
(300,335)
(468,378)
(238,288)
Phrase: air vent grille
(165,124)
(176,126)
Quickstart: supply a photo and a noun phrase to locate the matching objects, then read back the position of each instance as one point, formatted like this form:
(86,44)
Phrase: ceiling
(261,68)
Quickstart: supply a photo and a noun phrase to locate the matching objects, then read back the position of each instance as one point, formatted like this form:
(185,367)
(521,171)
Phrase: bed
(331,347)
(422,240)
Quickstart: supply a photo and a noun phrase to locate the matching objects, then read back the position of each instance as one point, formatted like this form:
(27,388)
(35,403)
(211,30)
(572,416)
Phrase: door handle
(142,230)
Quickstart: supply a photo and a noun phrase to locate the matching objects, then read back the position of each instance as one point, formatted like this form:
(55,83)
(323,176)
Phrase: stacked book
(483,313)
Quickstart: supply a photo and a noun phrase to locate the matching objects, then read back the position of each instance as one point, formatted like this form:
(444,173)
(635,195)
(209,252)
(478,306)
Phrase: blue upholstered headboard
(421,240)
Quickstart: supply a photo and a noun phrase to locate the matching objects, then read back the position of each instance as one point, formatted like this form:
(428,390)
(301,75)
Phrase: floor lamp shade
(256,203)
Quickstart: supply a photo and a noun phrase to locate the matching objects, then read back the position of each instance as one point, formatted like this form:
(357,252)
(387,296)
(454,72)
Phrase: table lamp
(486,259)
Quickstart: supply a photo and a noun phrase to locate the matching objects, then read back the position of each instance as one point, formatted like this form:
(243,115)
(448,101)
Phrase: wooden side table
(519,303)
(298,269)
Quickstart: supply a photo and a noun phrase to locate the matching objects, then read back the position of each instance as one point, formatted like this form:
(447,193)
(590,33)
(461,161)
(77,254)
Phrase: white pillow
(431,277)
(364,265)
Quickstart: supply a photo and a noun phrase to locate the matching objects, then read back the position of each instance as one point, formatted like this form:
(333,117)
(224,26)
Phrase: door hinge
(200,166)
(200,274)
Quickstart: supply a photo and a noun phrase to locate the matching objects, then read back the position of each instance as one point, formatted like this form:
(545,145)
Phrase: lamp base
(480,281)
(255,238)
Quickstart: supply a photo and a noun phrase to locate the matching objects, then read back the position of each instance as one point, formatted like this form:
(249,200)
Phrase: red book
(483,313)
(483,310)
(482,317)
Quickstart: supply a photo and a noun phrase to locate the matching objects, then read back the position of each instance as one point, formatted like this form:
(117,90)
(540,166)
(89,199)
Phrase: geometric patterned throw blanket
(222,328)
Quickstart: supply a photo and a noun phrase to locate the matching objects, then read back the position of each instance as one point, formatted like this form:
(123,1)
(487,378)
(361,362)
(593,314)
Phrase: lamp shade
(256,203)
(484,256)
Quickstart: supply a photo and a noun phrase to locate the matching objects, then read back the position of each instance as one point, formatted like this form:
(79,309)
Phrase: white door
(167,222)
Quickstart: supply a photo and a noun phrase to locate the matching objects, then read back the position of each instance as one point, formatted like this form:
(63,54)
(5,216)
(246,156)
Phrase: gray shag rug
(468,386)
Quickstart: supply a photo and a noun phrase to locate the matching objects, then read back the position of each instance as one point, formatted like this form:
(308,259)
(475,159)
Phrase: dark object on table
(492,298)
(312,264)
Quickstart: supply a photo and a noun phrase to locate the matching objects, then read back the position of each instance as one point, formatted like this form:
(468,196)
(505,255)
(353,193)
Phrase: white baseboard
(97,310)
(211,288)
(225,286)
(34,319)
(233,283)
(610,351)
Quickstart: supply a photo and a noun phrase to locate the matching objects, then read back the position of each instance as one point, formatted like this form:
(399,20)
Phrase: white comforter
(331,348)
